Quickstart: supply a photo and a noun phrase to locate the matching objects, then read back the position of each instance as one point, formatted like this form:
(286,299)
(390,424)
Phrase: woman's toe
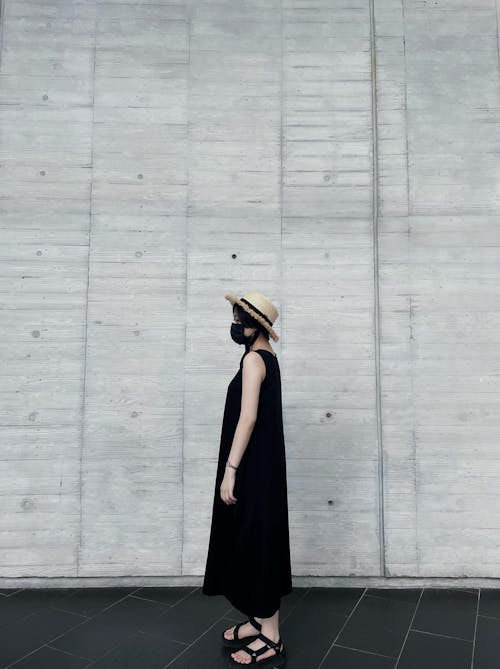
(239,657)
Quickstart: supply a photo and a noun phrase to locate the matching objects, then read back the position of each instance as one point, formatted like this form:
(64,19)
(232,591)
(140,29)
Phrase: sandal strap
(236,628)
(269,642)
(254,622)
(254,653)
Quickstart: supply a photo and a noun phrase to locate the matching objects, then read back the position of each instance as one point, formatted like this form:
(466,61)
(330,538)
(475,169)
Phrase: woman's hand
(227,486)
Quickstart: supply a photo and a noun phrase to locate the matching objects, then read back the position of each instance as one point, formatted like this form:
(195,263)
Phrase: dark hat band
(242,299)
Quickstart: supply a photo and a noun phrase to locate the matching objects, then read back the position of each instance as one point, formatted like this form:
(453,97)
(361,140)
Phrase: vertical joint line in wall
(2,21)
(281,170)
(85,340)
(413,435)
(498,40)
(186,279)
(405,80)
(410,288)
(381,532)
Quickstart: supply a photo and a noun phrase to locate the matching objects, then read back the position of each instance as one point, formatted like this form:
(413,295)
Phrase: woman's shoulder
(267,358)
(263,350)
(253,356)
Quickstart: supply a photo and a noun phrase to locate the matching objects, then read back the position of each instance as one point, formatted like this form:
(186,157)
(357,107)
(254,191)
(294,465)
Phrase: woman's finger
(227,497)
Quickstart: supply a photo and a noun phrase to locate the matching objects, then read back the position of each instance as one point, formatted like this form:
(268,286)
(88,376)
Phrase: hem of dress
(246,611)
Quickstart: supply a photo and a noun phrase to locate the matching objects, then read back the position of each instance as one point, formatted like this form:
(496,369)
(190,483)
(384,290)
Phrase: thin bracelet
(230,465)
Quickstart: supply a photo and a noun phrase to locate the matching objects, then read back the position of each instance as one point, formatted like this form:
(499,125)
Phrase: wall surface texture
(341,157)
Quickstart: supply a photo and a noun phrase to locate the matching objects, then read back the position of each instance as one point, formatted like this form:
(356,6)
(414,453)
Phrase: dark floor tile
(340,600)
(7,592)
(346,658)
(207,652)
(310,629)
(489,602)
(90,601)
(447,611)
(150,627)
(288,604)
(27,634)
(410,595)
(429,651)
(378,625)
(168,595)
(188,619)
(140,651)
(487,646)
(107,629)
(50,658)
(26,602)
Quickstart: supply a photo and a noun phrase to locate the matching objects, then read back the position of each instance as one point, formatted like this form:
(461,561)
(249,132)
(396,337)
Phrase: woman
(249,552)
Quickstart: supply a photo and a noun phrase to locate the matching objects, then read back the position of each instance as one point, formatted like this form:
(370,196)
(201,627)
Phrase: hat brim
(234,299)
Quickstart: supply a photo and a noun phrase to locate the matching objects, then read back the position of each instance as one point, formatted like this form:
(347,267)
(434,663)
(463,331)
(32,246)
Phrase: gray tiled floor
(331,628)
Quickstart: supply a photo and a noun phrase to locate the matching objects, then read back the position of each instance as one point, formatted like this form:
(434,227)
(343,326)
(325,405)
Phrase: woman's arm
(254,372)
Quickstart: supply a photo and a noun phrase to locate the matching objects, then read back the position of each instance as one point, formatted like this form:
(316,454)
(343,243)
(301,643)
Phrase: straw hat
(259,306)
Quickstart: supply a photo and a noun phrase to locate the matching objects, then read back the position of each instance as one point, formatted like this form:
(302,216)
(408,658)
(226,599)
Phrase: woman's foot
(243,657)
(244,631)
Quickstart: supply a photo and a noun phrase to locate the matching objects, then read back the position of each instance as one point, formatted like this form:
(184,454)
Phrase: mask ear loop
(253,340)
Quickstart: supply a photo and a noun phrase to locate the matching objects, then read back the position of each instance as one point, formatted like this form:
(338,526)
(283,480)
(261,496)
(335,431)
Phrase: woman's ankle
(271,631)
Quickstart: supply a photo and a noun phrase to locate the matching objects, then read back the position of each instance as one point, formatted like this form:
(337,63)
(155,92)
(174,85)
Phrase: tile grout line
(482,615)
(157,601)
(409,628)
(293,608)
(341,629)
(363,650)
(475,630)
(442,636)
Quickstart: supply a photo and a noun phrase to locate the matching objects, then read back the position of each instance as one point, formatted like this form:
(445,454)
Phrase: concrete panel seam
(497,29)
(85,342)
(378,412)
(186,280)
(2,21)
(281,174)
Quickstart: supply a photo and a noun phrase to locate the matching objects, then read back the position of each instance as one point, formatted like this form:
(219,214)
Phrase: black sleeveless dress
(248,557)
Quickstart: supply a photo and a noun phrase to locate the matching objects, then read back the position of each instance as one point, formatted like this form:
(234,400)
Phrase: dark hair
(249,321)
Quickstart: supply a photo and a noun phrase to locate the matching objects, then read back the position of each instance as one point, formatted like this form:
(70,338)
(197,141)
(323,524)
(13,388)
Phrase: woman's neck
(260,342)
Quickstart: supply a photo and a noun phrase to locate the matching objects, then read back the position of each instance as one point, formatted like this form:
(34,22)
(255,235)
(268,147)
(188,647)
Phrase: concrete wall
(343,158)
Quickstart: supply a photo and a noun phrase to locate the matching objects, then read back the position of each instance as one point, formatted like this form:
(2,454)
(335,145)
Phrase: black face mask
(237,334)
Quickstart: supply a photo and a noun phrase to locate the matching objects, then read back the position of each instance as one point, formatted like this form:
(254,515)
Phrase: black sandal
(236,641)
(276,659)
